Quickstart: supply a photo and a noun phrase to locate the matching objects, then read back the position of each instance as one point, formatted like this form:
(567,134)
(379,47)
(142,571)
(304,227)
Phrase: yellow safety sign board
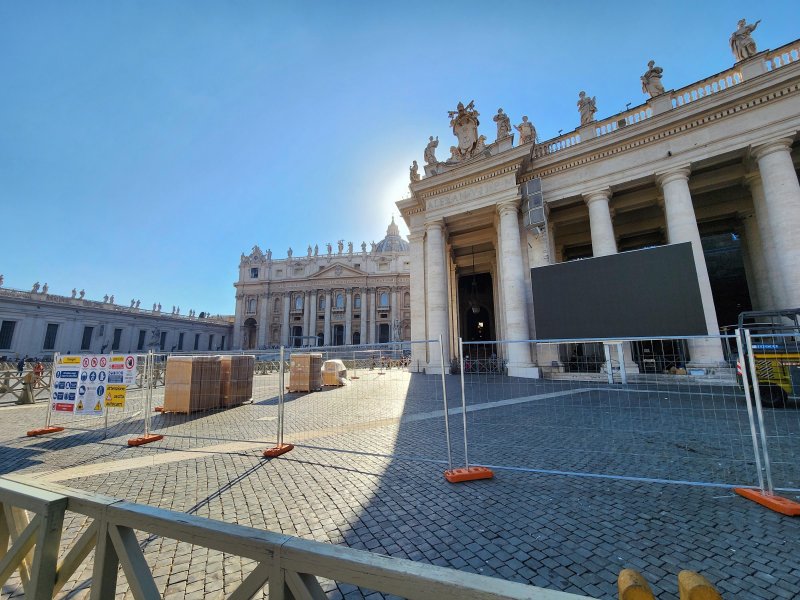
(115,396)
(69,360)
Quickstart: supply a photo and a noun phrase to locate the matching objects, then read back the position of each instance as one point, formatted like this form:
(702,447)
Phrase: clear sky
(145,145)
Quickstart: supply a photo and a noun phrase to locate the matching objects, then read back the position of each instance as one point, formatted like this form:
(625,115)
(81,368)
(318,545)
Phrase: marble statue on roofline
(414,172)
(45,288)
(35,288)
(430,151)
(340,245)
(651,80)
(527,132)
(81,294)
(74,293)
(742,44)
(309,250)
(503,124)
(587,107)
(316,249)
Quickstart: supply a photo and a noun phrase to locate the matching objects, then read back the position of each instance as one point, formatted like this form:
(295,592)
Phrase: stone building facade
(713,160)
(38,324)
(340,296)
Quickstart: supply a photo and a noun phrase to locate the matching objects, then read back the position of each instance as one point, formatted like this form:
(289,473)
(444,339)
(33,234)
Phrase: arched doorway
(356,338)
(297,335)
(338,335)
(249,333)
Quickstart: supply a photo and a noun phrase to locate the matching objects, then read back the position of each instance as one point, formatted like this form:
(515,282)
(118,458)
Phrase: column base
(436,370)
(525,372)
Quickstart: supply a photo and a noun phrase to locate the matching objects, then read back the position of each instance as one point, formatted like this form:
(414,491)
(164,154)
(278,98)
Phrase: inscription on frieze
(468,194)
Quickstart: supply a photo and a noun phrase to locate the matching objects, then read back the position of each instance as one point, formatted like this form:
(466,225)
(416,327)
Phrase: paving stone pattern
(367,473)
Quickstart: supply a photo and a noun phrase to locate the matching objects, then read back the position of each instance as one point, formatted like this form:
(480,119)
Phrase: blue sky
(145,145)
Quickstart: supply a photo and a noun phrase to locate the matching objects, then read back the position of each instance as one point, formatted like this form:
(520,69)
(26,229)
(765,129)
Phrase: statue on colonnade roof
(464,121)
(742,43)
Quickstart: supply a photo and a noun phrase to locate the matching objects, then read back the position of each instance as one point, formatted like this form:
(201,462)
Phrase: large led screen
(642,293)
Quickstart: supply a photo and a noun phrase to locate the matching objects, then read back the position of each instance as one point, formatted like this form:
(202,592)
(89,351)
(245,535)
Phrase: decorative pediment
(337,271)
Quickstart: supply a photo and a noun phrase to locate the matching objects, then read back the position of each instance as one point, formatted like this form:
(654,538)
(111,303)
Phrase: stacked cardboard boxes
(305,372)
(236,386)
(333,372)
(192,384)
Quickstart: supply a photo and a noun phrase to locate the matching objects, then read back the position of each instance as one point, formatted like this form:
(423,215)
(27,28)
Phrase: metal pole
(759,412)
(753,434)
(463,397)
(148,373)
(47,418)
(446,415)
(280,400)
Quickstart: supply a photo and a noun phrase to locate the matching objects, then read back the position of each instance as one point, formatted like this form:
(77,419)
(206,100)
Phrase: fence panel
(774,361)
(661,409)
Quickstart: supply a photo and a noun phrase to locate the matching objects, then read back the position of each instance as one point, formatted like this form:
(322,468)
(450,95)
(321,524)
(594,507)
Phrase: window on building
(210,340)
(86,340)
(384,333)
(6,334)
(279,273)
(277,307)
(222,343)
(163,342)
(298,303)
(384,299)
(50,336)
(253,272)
(407,299)
(338,335)
(356,338)
(180,341)
(140,343)
(251,305)
(196,341)
(116,340)
(321,301)
(339,302)
(357,301)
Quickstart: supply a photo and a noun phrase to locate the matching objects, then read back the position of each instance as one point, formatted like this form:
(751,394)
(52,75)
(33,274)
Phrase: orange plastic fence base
(776,503)
(468,474)
(44,431)
(159,409)
(278,450)
(145,439)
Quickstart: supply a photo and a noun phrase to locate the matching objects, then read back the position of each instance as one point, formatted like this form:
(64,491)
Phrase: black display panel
(642,293)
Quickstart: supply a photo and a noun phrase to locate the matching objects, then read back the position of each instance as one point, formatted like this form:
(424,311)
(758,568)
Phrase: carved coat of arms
(464,121)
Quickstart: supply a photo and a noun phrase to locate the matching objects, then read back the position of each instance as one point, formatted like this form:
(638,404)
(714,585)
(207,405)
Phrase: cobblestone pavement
(367,473)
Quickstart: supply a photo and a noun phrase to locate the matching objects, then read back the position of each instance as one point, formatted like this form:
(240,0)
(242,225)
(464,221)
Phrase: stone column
(327,331)
(603,240)
(312,311)
(539,255)
(363,309)
(237,322)
(306,316)
(419,352)
(682,227)
(782,199)
(512,281)
(436,299)
(394,299)
(263,323)
(348,317)
(373,316)
(287,301)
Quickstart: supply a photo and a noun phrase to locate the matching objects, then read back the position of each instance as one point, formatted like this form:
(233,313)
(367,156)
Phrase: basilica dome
(392,242)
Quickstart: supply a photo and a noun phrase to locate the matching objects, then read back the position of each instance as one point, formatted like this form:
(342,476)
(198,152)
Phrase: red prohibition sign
(94,361)
(103,361)
(129,362)
(85,362)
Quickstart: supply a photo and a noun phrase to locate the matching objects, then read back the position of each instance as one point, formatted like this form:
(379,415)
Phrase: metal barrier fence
(666,409)
(48,547)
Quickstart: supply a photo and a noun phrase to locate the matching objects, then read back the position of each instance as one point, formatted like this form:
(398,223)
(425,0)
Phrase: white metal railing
(288,565)
(782,56)
(556,144)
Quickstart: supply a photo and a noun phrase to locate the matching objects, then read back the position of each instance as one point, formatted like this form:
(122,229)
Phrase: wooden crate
(305,372)
(236,379)
(192,383)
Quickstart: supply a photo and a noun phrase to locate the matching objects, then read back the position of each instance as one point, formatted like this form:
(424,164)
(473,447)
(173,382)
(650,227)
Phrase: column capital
(508,206)
(595,195)
(438,224)
(752,178)
(677,174)
(779,145)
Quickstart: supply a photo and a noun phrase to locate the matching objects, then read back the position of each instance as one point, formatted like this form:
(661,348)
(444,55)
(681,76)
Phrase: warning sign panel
(115,396)
(64,387)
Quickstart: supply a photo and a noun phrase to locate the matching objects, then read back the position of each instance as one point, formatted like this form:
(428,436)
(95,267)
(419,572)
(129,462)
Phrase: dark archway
(250,331)
(476,326)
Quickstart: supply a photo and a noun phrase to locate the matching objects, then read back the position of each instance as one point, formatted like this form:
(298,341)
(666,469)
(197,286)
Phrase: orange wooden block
(145,439)
(159,409)
(778,504)
(44,431)
(278,450)
(468,474)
